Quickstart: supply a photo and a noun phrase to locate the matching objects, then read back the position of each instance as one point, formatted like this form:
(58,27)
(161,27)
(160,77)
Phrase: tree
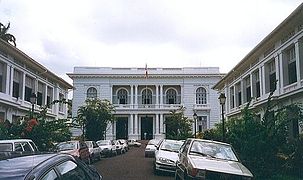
(93,118)
(6,36)
(177,125)
(43,131)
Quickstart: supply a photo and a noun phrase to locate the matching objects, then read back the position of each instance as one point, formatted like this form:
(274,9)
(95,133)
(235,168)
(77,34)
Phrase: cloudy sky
(61,34)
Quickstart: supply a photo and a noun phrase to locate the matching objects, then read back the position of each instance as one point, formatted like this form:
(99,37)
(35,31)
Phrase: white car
(124,143)
(119,146)
(108,147)
(166,156)
(205,159)
(94,150)
(133,142)
(18,145)
(151,147)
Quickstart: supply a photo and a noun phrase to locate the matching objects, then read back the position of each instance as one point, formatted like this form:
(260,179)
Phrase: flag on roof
(146,73)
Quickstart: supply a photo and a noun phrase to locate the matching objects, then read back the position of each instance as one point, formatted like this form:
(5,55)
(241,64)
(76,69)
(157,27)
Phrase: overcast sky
(61,34)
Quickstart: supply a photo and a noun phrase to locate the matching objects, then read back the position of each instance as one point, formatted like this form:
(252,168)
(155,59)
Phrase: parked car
(151,147)
(94,150)
(204,159)
(166,156)
(108,147)
(119,146)
(45,166)
(18,145)
(75,148)
(133,142)
(124,143)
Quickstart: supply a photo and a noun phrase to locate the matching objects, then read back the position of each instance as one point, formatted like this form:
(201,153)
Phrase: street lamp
(195,119)
(33,99)
(222,100)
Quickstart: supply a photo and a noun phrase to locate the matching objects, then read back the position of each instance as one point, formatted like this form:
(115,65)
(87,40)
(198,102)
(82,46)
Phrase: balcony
(201,107)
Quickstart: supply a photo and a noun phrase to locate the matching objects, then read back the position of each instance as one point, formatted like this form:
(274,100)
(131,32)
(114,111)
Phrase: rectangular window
(238,94)
(40,94)
(256,84)
(17,80)
(49,98)
(202,123)
(61,97)
(292,71)
(29,88)
(2,77)
(272,76)
(232,97)
(247,89)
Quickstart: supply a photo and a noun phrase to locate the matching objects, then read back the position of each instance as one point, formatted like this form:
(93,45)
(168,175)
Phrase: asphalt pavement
(130,166)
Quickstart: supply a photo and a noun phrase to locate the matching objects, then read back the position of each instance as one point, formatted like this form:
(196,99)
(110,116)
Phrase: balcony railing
(201,107)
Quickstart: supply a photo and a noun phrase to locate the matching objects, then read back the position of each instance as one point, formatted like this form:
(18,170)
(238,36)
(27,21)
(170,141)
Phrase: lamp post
(222,100)
(33,99)
(195,119)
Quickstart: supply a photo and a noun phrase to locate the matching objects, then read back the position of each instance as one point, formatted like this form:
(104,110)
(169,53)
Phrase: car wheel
(100,156)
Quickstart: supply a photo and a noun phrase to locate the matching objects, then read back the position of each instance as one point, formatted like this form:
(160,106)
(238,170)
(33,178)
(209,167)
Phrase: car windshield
(6,147)
(171,145)
(89,144)
(215,150)
(103,143)
(153,141)
(67,146)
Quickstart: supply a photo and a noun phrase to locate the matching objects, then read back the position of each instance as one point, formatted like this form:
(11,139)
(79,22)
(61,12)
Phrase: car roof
(17,166)
(15,140)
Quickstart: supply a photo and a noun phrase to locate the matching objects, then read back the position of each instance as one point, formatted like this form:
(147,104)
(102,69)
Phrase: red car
(75,148)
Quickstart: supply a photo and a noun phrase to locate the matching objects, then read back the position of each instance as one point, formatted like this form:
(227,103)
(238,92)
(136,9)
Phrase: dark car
(45,166)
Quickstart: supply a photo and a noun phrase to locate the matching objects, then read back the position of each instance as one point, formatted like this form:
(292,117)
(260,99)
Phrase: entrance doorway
(122,128)
(146,128)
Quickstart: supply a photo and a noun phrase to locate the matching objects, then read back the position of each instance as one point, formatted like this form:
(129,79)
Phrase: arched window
(201,96)
(171,96)
(91,92)
(147,96)
(122,96)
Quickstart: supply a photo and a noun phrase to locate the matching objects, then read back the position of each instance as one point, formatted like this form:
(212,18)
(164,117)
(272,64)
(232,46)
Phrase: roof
(15,140)
(283,28)
(18,54)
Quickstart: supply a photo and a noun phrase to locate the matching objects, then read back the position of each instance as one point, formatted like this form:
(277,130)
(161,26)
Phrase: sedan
(94,150)
(108,147)
(45,166)
(204,159)
(166,156)
(151,147)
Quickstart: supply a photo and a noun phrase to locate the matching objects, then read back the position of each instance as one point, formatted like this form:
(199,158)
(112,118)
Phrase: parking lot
(131,165)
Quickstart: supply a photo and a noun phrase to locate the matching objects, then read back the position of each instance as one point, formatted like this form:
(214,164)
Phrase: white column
(136,96)
(154,126)
(130,124)
(8,79)
(277,74)
(262,80)
(242,91)
(161,124)
(136,124)
(45,95)
(182,91)
(132,95)
(161,95)
(157,124)
(23,87)
(111,93)
(157,95)
(11,82)
(297,51)
(280,77)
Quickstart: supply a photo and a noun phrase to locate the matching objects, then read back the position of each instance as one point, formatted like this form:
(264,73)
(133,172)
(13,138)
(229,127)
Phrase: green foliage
(42,131)
(93,118)
(177,125)
(268,146)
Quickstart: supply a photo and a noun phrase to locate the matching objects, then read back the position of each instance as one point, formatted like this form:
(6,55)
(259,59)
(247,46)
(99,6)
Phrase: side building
(143,98)
(20,77)
(274,65)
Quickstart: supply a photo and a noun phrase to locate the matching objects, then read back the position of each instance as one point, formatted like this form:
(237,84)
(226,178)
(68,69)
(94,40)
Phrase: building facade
(144,97)
(275,64)
(20,76)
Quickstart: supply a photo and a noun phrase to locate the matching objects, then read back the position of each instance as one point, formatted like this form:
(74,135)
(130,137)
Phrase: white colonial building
(20,76)
(143,103)
(275,64)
